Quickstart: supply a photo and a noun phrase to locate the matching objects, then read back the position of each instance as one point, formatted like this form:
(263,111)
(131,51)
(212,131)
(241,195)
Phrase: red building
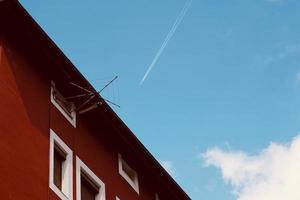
(50,148)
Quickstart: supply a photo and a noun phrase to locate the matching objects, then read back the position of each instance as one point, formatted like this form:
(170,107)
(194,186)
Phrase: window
(59,159)
(88,189)
(60,168)
(128,174)
(66,107)
(88,185)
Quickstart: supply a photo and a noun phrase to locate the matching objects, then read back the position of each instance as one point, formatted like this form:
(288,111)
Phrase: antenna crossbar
(91,95)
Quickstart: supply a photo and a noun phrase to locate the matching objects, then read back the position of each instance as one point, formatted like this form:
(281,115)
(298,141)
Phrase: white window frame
(72,119)
(80,166)
(133,183)
(66,193)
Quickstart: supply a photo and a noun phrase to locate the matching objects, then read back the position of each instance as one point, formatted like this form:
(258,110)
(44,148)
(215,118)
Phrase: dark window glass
(59,159)
(67,106)
(88,189)
(129,171)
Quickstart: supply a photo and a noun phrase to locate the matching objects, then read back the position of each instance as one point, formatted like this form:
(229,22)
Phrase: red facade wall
(23,129)
(26,117)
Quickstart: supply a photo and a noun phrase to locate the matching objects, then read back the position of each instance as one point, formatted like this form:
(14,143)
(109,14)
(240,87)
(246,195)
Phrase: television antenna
(89,96)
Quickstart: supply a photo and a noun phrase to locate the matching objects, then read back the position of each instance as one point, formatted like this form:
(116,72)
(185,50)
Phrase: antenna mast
(90,95)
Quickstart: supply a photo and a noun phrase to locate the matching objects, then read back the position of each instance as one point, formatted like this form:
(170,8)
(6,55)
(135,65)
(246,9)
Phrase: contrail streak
(167,39)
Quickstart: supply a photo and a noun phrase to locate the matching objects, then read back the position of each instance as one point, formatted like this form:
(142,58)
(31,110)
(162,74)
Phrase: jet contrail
(167,39)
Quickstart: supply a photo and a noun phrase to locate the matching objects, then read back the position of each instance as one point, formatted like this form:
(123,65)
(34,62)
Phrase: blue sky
(229,77)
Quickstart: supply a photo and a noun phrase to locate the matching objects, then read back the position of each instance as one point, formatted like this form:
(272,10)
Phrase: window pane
(130,172)
(88,191)
(58,162)
(64,104)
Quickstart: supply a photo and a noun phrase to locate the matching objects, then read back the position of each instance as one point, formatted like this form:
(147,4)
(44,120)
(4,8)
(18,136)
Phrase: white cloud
(272,174)
(168,166)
